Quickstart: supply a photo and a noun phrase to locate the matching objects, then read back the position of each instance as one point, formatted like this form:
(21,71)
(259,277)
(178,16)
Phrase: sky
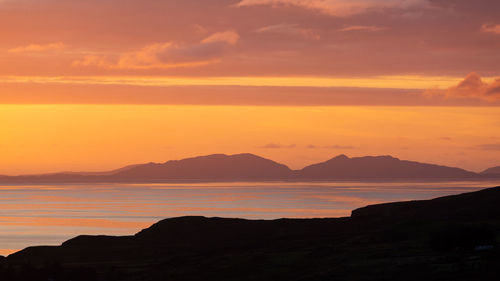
(96,85)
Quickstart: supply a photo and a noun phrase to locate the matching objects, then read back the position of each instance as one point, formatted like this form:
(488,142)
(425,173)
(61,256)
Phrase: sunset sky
(98,84)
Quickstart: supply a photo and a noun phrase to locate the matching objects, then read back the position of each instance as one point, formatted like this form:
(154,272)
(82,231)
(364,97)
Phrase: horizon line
(235,154)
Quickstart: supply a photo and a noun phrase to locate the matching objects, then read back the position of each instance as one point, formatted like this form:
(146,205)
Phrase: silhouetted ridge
(376,167)
(249,167)
(491,171)
(481,204)
(439,239)
(340,157)
(203,231)
(211,167)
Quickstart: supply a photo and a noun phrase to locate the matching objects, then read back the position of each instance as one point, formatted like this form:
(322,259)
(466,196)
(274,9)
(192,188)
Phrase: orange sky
(94,85)
(45,138)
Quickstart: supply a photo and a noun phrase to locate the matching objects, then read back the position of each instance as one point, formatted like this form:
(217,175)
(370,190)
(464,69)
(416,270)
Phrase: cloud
(337,7)
(491,28)
(229,37)
(289,29)
(340,147)
(35,48)
(311,146)
(168,54)
(490,146)
(276,146)
(361,28)
(471,87)
(412,41)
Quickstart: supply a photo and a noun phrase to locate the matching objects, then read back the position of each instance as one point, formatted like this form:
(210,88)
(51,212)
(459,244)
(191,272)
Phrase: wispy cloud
(387,82)
(361,28)
(491,28)
(289,29)
(337,7)
(229,37)
(335,146)
(167,54)
(276,146)
(489,146)
(35,48)
(471,87)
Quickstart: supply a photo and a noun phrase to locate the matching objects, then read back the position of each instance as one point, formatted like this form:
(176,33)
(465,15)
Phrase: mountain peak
(220,156)
(340,157)
(243,166)
(251,167)
(379,167)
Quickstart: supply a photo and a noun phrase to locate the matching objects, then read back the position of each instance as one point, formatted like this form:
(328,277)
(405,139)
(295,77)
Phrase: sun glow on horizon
(377,82)
(50,138)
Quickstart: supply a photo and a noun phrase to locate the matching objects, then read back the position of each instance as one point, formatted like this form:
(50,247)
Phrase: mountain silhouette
(448,238)
(211,167)
(492,171)
(373,167)
(250,167)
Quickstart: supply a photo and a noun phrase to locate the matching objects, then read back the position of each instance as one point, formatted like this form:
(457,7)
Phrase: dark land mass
(249,167)
(448,238)
(343,167)
(494,171)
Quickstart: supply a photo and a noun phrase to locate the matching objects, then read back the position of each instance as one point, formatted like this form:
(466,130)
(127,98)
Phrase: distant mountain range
(492,171)
(249,167)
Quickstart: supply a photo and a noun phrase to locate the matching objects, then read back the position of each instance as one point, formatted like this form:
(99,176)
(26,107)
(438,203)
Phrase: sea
(50,214)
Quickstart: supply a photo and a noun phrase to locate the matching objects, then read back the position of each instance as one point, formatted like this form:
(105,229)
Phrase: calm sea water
(51,214)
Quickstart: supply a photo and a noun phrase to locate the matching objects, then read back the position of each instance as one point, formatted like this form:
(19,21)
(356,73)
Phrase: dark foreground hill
(249,167)
(449,238)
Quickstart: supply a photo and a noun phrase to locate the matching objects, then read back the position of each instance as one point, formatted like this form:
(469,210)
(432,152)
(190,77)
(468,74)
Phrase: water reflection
(48,215)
